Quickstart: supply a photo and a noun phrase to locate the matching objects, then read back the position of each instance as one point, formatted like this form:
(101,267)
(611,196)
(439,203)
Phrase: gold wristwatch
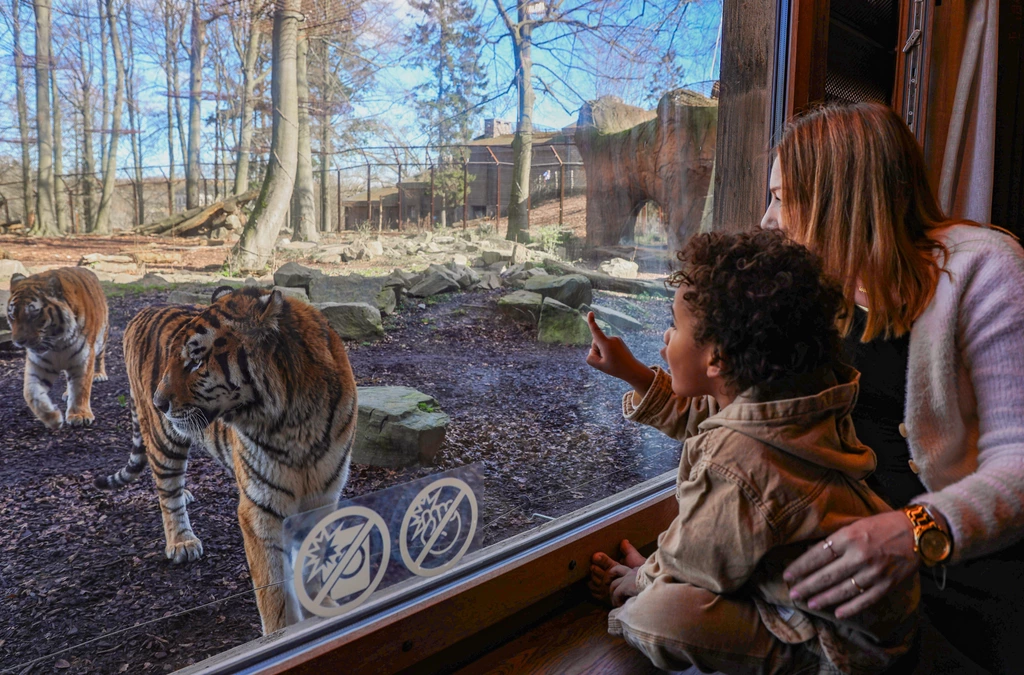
(931,542)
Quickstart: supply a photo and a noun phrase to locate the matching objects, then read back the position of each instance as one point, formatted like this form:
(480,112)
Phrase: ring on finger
(828,547)
(856,585)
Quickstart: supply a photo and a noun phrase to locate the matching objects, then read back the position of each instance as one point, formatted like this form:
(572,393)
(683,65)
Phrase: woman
(936,325)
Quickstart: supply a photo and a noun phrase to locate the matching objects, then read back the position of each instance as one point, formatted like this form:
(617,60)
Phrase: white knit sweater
(965,392)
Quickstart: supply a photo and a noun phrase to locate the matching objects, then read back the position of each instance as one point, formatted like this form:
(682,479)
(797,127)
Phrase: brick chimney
(494,128)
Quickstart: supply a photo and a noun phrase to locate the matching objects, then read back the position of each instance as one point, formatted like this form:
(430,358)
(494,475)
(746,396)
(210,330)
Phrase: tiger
(264,385)
(60,318)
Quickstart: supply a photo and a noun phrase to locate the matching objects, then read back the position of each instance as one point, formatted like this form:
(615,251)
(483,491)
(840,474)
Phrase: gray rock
(301,246)
(402,279)
(387,300)
(466,276)
(621,321)
(353,320)
(519,254)
(492,257)
(619,267)
(189,298)
(297,293)
(561,324)
(498,267)
(294,275)
(327,258)
(522,306)
(572,289)
(345,288)
(489,281)
(435,280)
(397,426)
(479,262)
(153,280)
(459,259)
(6,341)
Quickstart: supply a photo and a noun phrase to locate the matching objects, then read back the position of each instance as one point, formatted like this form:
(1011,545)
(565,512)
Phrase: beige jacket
(760,481)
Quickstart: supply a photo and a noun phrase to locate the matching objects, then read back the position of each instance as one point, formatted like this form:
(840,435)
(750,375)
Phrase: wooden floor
(573,642)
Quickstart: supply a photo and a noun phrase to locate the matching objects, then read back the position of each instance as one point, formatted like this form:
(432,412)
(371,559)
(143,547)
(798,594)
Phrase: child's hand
(610,355)
(612,581)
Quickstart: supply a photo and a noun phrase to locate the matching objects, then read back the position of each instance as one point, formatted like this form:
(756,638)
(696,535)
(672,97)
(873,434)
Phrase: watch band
(922,521)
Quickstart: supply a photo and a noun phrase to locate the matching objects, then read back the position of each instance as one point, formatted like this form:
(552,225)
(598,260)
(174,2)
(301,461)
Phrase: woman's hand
(610,355)
(876,552)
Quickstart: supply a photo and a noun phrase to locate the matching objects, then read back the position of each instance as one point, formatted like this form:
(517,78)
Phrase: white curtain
(965,183)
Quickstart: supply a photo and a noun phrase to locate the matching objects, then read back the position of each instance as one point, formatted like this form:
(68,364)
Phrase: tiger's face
(213,363)
(38,314)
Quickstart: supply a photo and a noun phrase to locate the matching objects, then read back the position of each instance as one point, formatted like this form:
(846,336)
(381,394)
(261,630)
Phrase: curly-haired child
(770,465)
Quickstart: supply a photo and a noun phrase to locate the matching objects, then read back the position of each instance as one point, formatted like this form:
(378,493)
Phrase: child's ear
(715,364)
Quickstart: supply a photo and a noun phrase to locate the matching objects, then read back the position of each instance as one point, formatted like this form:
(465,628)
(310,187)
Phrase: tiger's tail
(136,461)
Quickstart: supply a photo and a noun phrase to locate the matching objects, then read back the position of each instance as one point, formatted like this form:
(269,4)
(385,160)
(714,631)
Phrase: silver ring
(828,547)
(856,585)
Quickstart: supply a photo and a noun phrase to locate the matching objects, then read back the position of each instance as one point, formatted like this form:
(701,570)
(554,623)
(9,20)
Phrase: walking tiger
(60,318)
(264,384)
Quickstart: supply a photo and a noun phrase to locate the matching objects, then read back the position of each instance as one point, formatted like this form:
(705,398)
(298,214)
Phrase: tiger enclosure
(441,184)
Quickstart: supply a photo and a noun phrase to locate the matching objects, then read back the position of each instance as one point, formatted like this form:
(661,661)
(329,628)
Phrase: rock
(91,258)
(387,300)
(353,320)
(151,280)
(479,262)
(298,293)
(6,341)
(459,259)
(189,298)
(433,248)
(301,246)
(294,275)
(435,280)
(489,281)
(498,267)
(492,257)
(444,240)
(619,320)
(375,248)
(464,275)
(619,267)
(572,289)
(157,257)
(327,258)
(519,254)
(561,324)
(5,296)
(115,268)
(397,426)
(9,268)
(401,279)
(345,288)
(523,306)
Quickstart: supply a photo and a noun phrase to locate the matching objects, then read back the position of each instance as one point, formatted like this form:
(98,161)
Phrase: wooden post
(135,200)
(341,217)
(497,191)
(401,202)
(465,192)
(380,214)
(206,193)
(170,197)
(369,204)
(561,184)
(71,204)
(431,224)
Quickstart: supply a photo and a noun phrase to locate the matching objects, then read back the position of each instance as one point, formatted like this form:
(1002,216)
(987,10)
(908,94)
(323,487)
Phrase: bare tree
(260,234)
(303,203)
(45,223)
(245,31)
(28,209)
(134,118)
(195,94)
(110,155)
(59,192)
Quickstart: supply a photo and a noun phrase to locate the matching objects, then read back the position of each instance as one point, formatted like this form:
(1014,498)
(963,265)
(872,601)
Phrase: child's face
(691,366)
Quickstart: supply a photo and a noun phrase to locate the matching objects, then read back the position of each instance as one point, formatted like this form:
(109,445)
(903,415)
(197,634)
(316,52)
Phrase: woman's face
(773,218)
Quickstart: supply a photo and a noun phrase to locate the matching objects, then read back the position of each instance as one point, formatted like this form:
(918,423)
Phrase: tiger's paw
(188,496)
(81,419)
(100,377)
(186,550)
(53,419)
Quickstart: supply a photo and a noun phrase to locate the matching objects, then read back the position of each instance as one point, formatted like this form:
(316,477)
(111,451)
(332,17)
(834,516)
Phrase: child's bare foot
(630,556)
(604,570)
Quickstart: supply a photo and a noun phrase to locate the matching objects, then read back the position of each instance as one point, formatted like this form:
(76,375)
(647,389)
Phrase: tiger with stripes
(60,318)
(264,384)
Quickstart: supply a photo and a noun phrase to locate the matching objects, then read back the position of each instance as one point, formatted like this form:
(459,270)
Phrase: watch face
(935,545)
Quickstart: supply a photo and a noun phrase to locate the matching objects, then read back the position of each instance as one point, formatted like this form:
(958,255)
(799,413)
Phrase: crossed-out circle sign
(336,556)
(435,520)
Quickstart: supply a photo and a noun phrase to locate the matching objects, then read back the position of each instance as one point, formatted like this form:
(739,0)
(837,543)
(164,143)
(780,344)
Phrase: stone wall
(632,156)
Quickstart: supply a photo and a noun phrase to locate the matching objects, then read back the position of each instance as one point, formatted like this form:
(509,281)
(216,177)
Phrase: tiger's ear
(16,277)
(273,304)
(220,292)
(55,288)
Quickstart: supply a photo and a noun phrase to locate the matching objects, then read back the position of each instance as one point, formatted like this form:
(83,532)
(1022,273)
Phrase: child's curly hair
(764,302)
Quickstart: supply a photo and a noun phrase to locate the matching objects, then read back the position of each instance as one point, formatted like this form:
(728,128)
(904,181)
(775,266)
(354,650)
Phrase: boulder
(387,300)
(492,257)
(519,254)
(6,341)
(465,276)
(9,268)
(572,289)
(294,275)
(621,321)
(157,257)
(561,324)
(619,267)
(435,280)
(522,306)
(115,267)
(344,288)
(459,259)
(397,426)
(401,279)
(374,248)
(300,246)
(189,298)
(325,258)
(489,281)
(353,320)
(151,280)
(297,293)
(92,258)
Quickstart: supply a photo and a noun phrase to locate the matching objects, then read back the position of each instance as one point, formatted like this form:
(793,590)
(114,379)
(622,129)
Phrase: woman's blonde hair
(855,192)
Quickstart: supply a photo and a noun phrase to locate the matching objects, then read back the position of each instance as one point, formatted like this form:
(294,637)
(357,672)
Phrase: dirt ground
(84,569)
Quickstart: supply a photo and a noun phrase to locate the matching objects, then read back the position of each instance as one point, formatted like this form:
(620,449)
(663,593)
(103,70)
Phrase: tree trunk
(260,234)
(303,201)
(59,193)
(28,205)
(134,121)
(195,92)
(325,162)
(252,51)
(522,143)
(45,224)
(104,83)
(88,162)
(169,53)
(110,157)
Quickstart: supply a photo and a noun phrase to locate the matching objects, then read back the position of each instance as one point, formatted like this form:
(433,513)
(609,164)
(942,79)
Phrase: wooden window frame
(408,625)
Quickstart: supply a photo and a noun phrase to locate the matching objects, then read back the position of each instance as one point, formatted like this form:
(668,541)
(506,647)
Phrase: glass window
(454,184)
